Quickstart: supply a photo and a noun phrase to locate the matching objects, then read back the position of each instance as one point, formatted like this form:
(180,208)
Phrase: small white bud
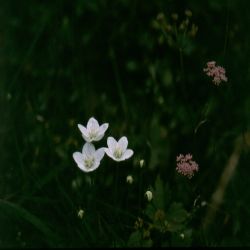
(142,162)
(80,213)
(182,236)
(9,96)
(76,183)
(130,179)
(40,118)
(149,195)
(203,203)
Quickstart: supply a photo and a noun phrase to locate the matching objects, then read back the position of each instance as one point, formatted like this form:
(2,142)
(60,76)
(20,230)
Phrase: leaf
(147,243)
(134,239)
(174,227)
(176,216)
(167,194)
(165,244)
(158,195)
(150,211)
(32,219)
(176,213)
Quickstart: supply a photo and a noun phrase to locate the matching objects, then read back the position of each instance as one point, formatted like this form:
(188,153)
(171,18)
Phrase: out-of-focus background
(137,65)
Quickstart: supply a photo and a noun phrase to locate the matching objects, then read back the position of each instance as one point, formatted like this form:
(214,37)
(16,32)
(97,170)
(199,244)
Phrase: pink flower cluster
(217,72)
(186,166)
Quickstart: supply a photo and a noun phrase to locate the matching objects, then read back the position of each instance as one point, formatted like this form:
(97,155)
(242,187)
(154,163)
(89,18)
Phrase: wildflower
(89,159)
(142,162)
(93,132)
(130,179)
(149,195)
(118,150)
(217,72)
(80,213)
(186,166)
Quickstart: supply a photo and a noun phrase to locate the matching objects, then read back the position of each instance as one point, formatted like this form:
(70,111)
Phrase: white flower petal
(78,157)
(88,149)
(110,154)
(127,154)
(107,151)
(83,130)
(96,165)
(103,128)
(85,169)
(98,138)
(120,159)
(86,138)
(123,143)
(92,124)
(111,143)
(99,154)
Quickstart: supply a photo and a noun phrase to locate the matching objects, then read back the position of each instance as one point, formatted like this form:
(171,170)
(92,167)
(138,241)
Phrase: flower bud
(188,13)
(174,16)
(160,17)
(142,162)
(80,213)
(130,179)
(149,195)
(203,203)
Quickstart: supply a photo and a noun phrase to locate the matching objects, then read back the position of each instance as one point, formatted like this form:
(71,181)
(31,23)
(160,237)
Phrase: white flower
(118,150)
(149,195)
(93,132)
(89,159)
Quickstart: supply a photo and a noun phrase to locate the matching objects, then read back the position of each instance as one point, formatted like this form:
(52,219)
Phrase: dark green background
(63,62)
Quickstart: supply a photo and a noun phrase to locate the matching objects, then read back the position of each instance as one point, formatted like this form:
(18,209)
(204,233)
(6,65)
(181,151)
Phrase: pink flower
(211,64)
(217,72)
(186,166)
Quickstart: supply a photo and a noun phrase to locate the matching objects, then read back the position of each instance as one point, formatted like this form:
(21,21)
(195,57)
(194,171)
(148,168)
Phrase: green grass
(65,61)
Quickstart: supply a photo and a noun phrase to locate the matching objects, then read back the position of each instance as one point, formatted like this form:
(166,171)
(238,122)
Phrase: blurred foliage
(137,65)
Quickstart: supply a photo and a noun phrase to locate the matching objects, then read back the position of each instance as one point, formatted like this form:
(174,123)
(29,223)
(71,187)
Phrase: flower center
(118,153)
(89,162)
(92,134)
